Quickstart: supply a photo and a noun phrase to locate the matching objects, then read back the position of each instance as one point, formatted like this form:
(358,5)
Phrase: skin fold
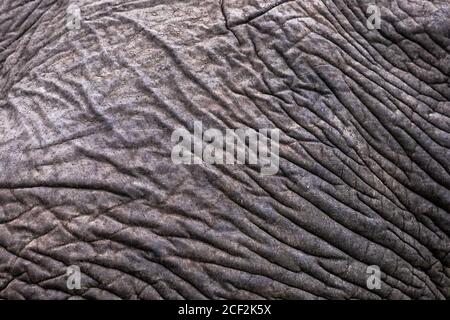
(86,177)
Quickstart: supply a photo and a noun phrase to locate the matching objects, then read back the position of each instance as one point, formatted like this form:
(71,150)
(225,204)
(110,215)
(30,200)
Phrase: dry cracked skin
(86,177)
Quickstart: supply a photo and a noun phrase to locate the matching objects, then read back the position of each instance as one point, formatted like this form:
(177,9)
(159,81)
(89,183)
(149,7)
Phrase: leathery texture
(86,176)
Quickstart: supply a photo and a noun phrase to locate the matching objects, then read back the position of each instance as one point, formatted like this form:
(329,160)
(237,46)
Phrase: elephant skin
(86,177)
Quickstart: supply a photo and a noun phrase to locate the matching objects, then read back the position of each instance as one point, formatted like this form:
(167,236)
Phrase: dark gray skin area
(86,177)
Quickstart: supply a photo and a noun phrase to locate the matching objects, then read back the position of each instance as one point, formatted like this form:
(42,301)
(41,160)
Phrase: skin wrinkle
(86,177)
(293,221)
(380,121)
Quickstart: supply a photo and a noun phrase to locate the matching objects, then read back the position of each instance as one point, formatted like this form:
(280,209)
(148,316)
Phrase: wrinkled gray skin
(86,177)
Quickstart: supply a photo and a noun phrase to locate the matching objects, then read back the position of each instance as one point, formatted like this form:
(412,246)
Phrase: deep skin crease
(86,177)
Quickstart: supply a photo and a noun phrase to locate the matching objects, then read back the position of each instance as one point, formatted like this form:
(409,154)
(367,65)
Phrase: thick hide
(87,180)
